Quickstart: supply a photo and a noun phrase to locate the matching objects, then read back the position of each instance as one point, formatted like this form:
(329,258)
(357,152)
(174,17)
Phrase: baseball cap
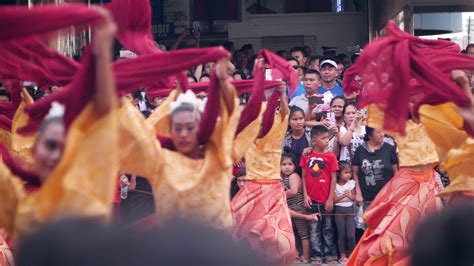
(330,62)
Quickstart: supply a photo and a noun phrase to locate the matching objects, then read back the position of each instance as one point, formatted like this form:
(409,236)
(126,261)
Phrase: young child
(294,193)
(344,206)
(319,172)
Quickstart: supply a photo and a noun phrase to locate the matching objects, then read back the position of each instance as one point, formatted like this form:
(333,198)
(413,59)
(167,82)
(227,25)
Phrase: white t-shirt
(301,101)
(348,186)
(356,141)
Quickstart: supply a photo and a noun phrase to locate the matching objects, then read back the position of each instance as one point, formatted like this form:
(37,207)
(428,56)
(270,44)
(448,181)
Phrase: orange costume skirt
(261,217)
(393,217)
(6,256)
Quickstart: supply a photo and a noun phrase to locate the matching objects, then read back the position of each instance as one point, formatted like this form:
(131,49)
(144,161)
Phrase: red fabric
(133,18)
(400,68)
(5,123)
(43,19)
(8,109)
(242,86)
(269,114)
(275,61)
(144,70)
(318,168)
(32,60)
(251,111)
(211,111)
(15,167)
(74,96)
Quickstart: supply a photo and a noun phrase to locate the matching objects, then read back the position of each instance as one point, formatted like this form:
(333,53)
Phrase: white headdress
(190,98)
(56,110)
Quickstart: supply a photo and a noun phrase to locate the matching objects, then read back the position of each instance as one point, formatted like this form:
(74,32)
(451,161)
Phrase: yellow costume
(455,147)
(82,184)
(244,140)
(21,145)
(196,189)
(263,157)
(260,210)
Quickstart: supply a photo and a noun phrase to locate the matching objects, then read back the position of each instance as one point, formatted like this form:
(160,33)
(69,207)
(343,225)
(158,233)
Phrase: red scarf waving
(241,86)
(400,68)
(32,60)
(133,18)
(43,20)
(251,111)
(75,96)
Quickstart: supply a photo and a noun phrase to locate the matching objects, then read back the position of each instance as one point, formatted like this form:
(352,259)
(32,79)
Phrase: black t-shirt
(375,168)
(297,148)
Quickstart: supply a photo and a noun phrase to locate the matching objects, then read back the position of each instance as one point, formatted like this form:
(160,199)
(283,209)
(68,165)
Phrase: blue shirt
(300,90)
(336,90)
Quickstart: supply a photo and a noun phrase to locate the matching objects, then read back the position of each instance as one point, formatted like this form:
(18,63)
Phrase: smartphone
(363,113)
(268,74)
(315,100)
(332,118)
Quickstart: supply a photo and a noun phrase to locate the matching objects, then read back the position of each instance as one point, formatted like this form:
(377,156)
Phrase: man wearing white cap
(329,74)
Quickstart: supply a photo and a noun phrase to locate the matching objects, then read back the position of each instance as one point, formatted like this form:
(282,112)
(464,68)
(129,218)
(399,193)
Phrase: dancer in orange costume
(260,210)
(67,181)
(411,195)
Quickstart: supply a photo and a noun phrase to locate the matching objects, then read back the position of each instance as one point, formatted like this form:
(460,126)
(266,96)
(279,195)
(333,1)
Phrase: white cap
(331,62)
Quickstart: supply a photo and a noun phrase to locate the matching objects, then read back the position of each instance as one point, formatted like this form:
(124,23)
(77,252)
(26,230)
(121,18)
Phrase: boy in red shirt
(319,179)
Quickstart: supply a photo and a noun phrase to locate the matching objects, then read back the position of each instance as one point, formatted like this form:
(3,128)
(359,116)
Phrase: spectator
(312,80)
(209,68)
(340,72)
(351,136)
(299,71)
(374,164)
(205,78)
(237,182)
(308,50)
(237,75)
(283,54)
(470,50)
(248,50)
(337,107)
(344,60)
(191,78)
(294,193)
(354,57)
(319,179)
(241,63)
(329,73)
(299,54)
(297,138)
(322,119)
(315,61)
(344,207)
(229,46)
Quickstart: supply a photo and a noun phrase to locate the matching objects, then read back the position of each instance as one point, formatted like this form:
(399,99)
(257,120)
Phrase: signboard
(177,12)
(163,30)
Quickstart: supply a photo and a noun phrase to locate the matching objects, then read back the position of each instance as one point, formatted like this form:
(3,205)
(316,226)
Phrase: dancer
(66,182)
(189,179)
(260,211)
